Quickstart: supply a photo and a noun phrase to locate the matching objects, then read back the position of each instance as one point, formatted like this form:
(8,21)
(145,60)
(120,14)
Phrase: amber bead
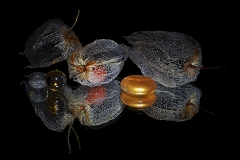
(138,101)
(138,85)
(56,80)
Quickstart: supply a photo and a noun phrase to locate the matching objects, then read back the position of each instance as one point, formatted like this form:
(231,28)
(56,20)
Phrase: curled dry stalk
(74,22)
(210,112)
(70,127)
(207,67)
(193,105)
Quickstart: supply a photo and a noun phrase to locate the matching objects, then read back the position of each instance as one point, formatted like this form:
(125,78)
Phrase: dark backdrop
(204,134)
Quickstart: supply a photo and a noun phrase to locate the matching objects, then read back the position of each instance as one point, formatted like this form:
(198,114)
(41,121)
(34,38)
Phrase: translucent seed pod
(170,58)
(97,63)
(52,110)
(97,105)
(175,104)
(51,43)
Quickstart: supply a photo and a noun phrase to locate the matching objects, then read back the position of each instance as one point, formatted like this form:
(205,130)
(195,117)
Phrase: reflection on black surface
(95,105)
(175,104)
(58,104)
(49,105)
(112,121)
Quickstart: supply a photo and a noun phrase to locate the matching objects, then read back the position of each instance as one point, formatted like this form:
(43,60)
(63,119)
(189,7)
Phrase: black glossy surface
(202,134)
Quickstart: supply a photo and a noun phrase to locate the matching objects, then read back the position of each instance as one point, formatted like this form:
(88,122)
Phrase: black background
(203,135)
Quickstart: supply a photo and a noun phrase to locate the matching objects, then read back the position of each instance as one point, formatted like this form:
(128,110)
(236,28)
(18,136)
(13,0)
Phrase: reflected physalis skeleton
(94,106)
(51,43)
(170,58)
(97,63)
(175,104)
(55,117)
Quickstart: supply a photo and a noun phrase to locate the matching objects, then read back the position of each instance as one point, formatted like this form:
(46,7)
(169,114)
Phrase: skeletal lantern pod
(50,106)
(94,106)
(51,43)
(175,104)
(97,63)
(170,58)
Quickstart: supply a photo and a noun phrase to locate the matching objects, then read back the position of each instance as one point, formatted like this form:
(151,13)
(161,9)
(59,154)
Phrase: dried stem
(27,76)
(210,112)
(77,137)
(27,67)
(69,147)
(74,22)
(70,127)
(192,66)
(207,111)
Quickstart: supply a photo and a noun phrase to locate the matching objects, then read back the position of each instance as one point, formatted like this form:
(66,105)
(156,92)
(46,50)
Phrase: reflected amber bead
(55,103)
(138,85)
(137,101)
